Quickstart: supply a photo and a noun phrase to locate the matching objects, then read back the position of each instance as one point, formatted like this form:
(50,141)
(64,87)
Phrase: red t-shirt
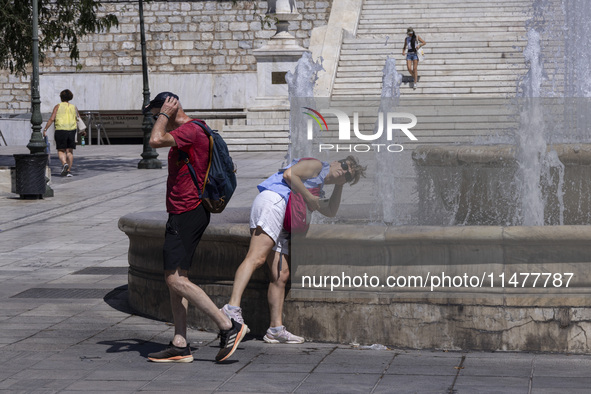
(181,193)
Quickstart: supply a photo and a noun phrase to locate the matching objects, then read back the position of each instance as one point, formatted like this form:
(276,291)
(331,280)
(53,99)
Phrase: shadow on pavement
(142,347)
(89,167)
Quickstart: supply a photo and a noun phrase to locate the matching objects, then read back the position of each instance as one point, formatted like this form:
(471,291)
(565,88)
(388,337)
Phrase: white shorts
(268,212)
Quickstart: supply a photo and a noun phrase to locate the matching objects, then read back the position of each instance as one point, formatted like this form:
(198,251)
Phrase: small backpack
(220,177)
(297,218)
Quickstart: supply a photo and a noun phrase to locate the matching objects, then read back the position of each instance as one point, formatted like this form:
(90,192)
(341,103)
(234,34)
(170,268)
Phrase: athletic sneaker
(230,339)
(234,313)
(172,354)
(283,336)
(416,85)
(65,169)
(69,174)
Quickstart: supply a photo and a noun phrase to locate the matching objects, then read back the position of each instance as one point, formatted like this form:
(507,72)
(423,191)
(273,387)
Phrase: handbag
(80,125)
(421,54)
(297,215)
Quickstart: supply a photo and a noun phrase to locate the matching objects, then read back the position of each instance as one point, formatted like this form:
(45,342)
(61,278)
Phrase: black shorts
(183,233)
(65,139)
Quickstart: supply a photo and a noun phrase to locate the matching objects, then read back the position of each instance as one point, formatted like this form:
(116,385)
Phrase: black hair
(66,95)
(413,41)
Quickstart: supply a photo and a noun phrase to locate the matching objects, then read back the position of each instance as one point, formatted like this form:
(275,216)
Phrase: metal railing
(94,120)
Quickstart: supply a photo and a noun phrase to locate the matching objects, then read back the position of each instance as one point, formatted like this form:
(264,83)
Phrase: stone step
(395,32)
(434,83)
(257,138)
(254,134)
(255,141)
(259,128)
(507,61)
(484,12)
(261,146)
(472,80)
(352,72)
(438,68)
(452,92)
(440,51)
(380,44)
(451,4)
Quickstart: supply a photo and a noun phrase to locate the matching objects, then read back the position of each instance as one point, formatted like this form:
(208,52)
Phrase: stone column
(278,57)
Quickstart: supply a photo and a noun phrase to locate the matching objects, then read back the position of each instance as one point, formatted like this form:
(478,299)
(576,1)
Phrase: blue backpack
(220,177)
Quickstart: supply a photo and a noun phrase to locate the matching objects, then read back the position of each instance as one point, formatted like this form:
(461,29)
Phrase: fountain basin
(475,185)
(454,318)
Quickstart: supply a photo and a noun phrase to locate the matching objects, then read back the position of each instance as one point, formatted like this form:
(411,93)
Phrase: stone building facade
(207,43)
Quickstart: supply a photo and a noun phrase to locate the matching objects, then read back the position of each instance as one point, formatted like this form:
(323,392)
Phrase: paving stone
(319,382)
(279,368)
(414,384)
(261,382)
(182,386)
(497,367)
(560,365)
(492,384)
(356,361)
(411,365)
(110,385)
(564,383)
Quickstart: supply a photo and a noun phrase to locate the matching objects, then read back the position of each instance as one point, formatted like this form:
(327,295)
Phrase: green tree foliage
(61,24)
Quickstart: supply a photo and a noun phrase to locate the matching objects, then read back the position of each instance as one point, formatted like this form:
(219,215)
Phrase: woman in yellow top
(64,115)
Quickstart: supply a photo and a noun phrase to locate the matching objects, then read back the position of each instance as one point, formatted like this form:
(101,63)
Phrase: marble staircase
(473,64)
(472,70)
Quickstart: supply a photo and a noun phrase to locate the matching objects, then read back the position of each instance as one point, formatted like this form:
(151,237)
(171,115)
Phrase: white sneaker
(234,313)
(282,336)
(416,85)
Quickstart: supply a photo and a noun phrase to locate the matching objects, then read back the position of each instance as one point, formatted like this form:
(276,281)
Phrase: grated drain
(40,292)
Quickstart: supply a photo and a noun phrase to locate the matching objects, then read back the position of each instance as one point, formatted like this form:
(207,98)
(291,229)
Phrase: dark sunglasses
(345,167)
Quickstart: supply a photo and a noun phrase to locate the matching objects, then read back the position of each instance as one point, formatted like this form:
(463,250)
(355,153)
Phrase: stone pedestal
(275,59)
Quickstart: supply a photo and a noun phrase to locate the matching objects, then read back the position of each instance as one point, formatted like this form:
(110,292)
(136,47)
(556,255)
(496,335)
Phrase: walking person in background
(64,115)
(412,43)
(269,241)
(187,221)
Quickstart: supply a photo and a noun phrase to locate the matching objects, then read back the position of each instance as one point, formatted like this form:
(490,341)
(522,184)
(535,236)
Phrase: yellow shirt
(65,119)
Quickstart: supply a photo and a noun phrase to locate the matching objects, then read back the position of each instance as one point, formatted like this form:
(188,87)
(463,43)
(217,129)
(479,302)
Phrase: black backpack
(220,177)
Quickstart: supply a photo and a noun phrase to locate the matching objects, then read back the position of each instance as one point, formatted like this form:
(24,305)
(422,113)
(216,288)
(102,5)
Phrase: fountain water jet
(300,84)
(386,164)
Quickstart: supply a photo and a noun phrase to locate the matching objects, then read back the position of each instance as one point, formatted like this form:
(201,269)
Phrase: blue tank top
(277,184)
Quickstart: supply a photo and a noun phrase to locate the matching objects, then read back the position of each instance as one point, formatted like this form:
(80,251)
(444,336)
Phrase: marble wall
(204,47)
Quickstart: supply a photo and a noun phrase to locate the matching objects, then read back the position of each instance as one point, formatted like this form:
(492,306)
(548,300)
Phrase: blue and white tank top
(277,184)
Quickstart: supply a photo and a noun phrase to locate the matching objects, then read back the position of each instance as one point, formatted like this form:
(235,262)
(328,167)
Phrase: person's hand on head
(170,106)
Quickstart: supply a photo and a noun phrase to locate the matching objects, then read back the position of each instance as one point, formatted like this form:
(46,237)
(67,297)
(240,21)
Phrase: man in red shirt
(187,220)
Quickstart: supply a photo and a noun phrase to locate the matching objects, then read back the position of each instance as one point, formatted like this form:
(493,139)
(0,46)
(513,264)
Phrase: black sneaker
(172,354)
(229,340)
(65,169)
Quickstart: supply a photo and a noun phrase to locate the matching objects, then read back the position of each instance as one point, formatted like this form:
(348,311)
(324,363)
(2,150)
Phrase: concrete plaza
(65,325)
